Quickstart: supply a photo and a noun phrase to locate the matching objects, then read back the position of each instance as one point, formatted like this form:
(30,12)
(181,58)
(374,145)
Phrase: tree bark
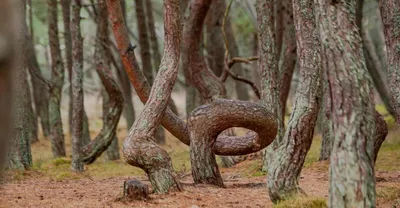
(32,118)
(19,154)
(57,77)
(139,149)
(390,12)
(111,117)
(352,109)
(77,88)
(327,125)
(285,169)
(269,72)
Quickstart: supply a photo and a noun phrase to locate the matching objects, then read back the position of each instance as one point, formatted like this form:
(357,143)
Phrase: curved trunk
(390,12)
(57,77)
(285,169)
(139,149)
(112,150)
(352,109)
(208,121)
(110,117)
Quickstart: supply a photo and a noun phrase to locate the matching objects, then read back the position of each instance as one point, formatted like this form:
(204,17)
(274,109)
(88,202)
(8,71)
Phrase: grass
(303,202)
(388,193)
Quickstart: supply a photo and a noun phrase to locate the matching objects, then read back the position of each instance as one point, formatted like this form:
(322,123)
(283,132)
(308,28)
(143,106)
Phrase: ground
(50,183)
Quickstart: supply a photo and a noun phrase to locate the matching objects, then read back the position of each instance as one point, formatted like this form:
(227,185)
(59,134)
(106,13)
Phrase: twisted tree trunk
(288,162)
(139,149)
(352,109)
(110,117)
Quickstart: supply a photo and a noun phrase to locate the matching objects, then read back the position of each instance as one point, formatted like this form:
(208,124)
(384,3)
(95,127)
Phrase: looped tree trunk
(208,121)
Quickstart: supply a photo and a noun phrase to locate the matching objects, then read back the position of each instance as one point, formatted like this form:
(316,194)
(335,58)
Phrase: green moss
(303,202)
(390,121)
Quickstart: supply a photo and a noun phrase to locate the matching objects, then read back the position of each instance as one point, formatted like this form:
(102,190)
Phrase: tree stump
(135,190)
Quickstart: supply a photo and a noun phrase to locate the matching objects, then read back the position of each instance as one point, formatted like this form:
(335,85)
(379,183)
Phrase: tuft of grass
(303,202)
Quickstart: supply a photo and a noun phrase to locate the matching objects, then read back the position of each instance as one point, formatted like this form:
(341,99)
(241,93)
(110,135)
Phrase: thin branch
(241,60)
(223,28)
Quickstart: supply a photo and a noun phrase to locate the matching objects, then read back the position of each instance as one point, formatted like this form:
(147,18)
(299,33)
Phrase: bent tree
(352,110)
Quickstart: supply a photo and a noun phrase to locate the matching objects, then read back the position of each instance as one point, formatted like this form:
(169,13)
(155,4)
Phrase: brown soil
(239,192)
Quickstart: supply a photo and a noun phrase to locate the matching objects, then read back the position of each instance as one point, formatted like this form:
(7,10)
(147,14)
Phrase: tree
(6,69)
(390,18)
(57,77)
(77,89)
(290,156)
(66,10)
(352,110)
(19,154)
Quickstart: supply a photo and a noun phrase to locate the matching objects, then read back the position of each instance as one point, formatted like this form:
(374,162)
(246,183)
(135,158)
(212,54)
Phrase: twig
(241,60)
(242,79)
(223,28)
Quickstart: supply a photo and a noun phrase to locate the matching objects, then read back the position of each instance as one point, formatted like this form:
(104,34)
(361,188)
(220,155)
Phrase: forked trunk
(288,161)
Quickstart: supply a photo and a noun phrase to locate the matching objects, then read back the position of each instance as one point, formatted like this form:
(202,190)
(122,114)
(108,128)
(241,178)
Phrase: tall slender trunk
(269,72)
(32,118)
(112,152)
(66,10)
(327,126)
(352,109)
(390,12)
(285,169)
(57,77)
(19,154)
(77,88)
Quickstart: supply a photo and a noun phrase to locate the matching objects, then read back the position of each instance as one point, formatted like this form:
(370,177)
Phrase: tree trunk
(352,109)
(288,57)
(19,154)
(112,150)
(57,77)
(128,112)
(139,149)
(327,126)
(111,117)
(77,89)
(269,72)
(390,12)
(285,169)
(66,10)
(32,118)
(7,9)
(41,94)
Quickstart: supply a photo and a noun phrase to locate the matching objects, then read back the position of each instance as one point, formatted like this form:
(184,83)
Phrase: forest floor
(50,183)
